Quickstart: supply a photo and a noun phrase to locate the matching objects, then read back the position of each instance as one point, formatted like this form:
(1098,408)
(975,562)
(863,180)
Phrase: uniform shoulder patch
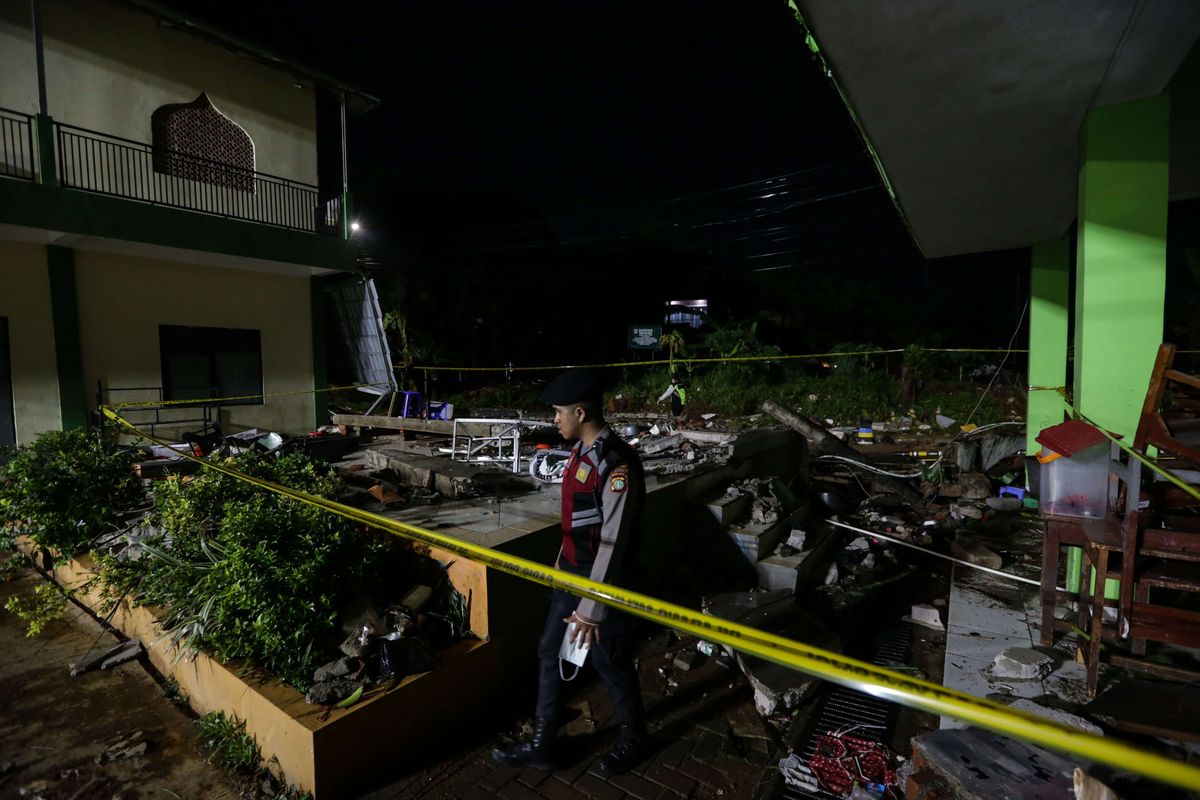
(618,479)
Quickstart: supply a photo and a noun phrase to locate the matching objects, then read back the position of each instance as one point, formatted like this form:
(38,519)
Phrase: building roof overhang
(973,110)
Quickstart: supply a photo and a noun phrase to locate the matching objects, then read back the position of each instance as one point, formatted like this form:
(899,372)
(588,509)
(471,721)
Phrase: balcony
(90,161)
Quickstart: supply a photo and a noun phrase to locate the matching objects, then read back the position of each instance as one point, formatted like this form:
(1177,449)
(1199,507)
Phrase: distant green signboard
(644,337)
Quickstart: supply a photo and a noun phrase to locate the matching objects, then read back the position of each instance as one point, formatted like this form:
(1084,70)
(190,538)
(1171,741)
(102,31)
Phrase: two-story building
(162,231)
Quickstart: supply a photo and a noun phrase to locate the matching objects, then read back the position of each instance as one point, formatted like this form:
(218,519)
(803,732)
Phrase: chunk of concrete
(1004,503)
(337,668)
(779,572)
(688,659)
(927,616)
(660,445)
(1021,663)
(975,485)
(796,539)
(729,508)
(966,511)
(973,552)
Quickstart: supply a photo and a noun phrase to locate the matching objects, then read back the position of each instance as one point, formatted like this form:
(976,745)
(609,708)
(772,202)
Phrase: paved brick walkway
(709,743)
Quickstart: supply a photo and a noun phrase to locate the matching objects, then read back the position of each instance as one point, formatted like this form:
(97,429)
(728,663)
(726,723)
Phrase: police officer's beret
(574,386)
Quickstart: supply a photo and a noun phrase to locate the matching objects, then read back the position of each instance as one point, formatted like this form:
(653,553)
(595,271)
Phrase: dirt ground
(53,727)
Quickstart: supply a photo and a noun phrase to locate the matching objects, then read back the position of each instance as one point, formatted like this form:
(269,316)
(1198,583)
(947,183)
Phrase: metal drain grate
(844,708)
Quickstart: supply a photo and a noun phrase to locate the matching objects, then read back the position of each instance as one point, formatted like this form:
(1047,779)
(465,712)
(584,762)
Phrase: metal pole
(345,173)
(35,9)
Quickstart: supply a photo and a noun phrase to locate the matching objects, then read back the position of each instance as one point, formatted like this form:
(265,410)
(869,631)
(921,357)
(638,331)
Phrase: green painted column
(1049,306)
(68,355)
(47,172)
(1122,255)
(320,367)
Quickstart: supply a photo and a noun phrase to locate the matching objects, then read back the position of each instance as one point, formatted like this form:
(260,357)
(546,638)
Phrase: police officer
(603,492)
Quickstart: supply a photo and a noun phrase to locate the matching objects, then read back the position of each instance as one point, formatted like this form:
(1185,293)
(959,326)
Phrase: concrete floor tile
(984,646)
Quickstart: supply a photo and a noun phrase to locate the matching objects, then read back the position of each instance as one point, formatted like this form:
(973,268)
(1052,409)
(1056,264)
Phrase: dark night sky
(534,143)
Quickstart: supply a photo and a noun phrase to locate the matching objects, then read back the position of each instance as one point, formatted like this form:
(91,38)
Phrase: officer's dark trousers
(611,657)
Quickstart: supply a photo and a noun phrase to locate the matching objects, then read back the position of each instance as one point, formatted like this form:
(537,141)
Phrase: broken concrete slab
(973,552)
(708,437)
(653,446)
(100,658)
(1021,663)
(980,765)
(776,689)
(1057,715)
(132,745)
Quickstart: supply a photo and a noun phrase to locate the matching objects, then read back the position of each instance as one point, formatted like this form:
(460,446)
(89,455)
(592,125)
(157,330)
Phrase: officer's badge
(618,479)
(581,474)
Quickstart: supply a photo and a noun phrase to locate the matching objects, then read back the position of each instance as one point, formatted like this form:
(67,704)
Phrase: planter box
(331,754)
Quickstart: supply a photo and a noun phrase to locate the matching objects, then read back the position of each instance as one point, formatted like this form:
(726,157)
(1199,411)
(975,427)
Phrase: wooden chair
(1163,552)
(1152,547)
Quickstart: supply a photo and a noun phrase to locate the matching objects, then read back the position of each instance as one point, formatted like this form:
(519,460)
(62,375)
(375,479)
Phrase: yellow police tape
(689,360)
(852,673)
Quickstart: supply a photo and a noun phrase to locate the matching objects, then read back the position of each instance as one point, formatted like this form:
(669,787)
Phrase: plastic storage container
(1076,486)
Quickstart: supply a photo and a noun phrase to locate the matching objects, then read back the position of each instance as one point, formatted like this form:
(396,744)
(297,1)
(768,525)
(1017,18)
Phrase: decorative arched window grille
(196,141)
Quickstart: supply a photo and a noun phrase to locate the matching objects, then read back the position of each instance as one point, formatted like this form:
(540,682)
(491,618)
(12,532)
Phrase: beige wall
(25,301)
(108,68)
(123,300)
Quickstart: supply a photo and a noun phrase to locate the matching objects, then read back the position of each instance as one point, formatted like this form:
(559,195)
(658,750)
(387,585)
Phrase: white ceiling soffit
(974,108)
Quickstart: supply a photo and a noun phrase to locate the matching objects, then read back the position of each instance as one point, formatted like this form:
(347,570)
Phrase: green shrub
(38,609)
(69,487)
(243,573)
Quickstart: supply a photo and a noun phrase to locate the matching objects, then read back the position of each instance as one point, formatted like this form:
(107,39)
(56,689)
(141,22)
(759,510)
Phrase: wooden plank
(440,426)
(1165,624)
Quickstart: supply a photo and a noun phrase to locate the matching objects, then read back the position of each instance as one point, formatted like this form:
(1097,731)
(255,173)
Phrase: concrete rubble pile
(379,648)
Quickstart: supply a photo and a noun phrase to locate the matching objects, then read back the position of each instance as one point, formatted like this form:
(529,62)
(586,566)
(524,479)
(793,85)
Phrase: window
(686,312)
(199,363)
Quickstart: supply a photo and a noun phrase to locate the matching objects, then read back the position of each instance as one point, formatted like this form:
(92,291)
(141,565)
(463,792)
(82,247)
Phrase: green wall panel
(1121,258)
(1049,307)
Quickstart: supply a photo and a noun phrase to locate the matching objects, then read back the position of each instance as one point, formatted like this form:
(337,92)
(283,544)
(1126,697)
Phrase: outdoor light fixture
(354,226)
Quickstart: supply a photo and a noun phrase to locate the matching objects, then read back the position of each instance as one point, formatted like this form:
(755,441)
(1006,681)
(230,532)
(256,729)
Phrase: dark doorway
(8,427)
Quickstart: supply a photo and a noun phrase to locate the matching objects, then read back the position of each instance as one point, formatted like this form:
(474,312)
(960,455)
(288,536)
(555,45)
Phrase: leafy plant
(67,488)
(675,345)
(227,743)
(38,609)
(244,573)
(231,748)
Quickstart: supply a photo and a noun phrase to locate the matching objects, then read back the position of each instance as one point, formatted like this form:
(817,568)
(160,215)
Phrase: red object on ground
(1070,437)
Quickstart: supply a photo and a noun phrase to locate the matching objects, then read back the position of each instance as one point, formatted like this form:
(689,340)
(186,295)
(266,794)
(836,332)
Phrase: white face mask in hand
(572,653)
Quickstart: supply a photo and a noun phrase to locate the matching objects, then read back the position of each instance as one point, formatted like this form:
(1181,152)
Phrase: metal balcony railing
(104,164)
(17,157)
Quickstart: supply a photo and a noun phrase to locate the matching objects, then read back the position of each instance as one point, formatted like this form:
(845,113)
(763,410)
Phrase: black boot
(537,753)
(632,747)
